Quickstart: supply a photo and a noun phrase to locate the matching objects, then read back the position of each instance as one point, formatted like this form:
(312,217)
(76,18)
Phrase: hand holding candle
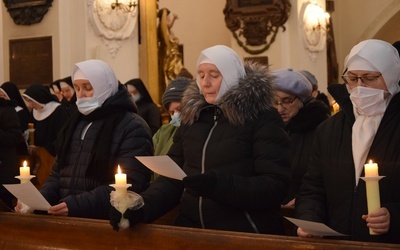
(119,198)
(372,187)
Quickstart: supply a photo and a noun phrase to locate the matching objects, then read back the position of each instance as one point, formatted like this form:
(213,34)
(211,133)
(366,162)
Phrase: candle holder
(25,179)
(373,197)
(120,200)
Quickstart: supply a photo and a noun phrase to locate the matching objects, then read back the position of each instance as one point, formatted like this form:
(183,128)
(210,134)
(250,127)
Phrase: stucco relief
(111,25)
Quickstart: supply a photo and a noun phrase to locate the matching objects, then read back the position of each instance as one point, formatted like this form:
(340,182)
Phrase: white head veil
(371,55)
(228,63)
(101,77)
(381,55)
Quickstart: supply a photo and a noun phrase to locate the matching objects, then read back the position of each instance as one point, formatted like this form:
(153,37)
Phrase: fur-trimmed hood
(245,102)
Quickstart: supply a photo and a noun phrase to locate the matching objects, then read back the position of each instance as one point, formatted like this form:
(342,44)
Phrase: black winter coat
(89,197)
(243,141)
(329,193)
(301,129)
(151,114)
(46,130)
(10,137)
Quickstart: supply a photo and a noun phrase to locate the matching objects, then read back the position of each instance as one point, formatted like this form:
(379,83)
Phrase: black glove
(134,217)
(115,218)
(201,184)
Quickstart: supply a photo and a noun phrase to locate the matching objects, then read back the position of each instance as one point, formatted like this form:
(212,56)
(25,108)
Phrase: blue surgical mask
(87,105)
(136,97)
(176,119)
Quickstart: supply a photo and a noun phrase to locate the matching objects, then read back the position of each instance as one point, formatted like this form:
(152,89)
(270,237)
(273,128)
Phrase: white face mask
(87,105)
(368,101)
(176,119)
(136,97)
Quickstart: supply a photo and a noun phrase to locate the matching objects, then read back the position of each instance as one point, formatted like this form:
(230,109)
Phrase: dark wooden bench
(49,232)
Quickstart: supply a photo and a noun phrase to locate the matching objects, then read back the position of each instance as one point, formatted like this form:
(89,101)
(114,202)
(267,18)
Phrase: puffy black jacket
(88,197)
(10,137)
(242,140)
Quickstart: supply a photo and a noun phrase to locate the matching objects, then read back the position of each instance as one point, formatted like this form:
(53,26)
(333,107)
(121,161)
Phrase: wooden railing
(49,232)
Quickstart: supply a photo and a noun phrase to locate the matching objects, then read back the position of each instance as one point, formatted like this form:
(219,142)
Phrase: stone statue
(170,58)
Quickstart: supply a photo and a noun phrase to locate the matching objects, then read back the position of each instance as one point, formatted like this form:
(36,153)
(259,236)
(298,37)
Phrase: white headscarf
(100,75)
(228,63)
(381,55)
(371,55)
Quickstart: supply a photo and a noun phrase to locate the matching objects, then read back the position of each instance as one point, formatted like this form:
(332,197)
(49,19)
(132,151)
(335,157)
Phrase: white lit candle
(371,169)
(372,188)
(120,178)
(24,171)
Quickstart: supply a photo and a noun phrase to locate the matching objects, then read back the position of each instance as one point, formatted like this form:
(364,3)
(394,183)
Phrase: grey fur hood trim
(245,102)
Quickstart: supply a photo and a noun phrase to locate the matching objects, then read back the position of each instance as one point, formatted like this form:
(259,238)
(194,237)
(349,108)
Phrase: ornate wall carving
(27,12)
(111,25)
(255,24)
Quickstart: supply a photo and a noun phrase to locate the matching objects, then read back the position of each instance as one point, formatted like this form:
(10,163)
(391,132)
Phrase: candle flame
(370,161)
(119,170)
(25,164)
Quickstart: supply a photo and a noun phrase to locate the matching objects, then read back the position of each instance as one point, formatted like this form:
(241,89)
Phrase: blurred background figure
(171,101)
(147,109)
(301,114)
(69,96)
(10,91)
(55,89)
(10,138)
(185,73)
(315,91)
(48,118)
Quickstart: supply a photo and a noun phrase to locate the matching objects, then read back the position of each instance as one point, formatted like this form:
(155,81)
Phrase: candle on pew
(25,173)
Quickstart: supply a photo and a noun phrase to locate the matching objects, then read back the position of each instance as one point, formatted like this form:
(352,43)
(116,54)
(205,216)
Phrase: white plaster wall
(73,40)
(79,42)
(289,51)
(200,25)
(47,27)
(357,20)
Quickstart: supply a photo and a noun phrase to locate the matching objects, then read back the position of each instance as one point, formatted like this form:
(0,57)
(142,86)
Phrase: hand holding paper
(314,228)
(29,195)
(162,165)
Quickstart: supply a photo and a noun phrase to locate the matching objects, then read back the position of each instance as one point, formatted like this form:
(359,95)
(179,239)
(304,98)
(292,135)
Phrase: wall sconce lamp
(316,24)
(125,7)
(315,18)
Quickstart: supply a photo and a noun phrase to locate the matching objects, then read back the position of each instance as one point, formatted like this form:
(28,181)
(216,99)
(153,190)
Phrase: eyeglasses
(368,80)
(285,103)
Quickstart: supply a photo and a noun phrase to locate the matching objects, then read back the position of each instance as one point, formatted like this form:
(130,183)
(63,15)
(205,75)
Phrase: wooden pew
(49,232)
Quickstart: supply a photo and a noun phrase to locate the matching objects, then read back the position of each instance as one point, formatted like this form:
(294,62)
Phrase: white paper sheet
(162,165)
(314,228)
(29,195)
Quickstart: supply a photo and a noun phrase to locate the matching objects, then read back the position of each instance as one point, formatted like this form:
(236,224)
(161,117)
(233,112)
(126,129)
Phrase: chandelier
(125,7)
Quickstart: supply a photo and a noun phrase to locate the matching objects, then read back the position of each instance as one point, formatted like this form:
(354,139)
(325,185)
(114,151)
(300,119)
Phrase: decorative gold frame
(27,12)
(255,21)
